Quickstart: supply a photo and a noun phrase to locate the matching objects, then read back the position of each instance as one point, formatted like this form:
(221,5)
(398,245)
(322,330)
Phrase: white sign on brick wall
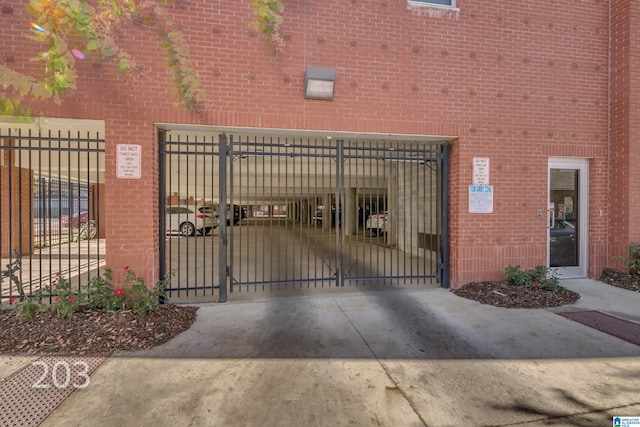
(480,199)
(128,161)
(480,171)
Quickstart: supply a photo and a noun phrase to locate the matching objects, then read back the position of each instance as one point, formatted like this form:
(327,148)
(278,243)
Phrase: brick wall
(624,184)
(513,82)
(15,209)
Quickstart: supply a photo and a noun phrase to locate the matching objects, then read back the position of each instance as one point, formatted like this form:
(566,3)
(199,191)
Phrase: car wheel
(187,229)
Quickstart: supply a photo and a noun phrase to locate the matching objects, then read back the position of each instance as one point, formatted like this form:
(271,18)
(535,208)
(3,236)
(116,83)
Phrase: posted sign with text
(128,161)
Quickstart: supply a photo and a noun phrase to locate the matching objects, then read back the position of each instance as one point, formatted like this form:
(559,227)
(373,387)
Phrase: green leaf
(93,45)
(124,66)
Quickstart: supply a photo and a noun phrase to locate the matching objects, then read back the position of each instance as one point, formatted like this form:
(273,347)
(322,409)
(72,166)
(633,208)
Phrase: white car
(189,219)
(377,223)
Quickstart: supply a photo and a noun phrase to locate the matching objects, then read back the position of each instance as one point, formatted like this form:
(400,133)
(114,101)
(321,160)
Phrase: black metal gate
(303,213)
(51,186)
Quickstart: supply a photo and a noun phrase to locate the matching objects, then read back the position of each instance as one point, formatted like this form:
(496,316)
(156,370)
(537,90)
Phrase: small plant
(65,300)
(139,298)
(101,294)
(515,276)
(30,306)
(540,277)
(633,262)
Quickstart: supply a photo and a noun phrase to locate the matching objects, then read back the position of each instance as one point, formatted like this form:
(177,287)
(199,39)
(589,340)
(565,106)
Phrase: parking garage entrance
(272,212)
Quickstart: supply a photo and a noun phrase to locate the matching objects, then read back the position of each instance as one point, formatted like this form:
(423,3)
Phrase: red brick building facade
(517,83)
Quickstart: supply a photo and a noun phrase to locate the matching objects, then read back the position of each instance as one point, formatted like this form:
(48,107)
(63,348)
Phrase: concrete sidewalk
(392,358)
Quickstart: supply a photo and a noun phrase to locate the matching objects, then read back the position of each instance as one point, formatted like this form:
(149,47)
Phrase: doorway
(568,217)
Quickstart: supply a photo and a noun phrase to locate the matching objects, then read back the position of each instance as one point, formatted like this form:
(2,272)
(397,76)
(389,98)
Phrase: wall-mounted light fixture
(319,83)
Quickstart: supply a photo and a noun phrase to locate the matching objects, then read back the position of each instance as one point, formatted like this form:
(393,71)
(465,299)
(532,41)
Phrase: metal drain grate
(28,396)
(623,329)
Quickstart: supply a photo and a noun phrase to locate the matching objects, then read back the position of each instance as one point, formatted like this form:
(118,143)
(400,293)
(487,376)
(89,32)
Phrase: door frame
(582,166)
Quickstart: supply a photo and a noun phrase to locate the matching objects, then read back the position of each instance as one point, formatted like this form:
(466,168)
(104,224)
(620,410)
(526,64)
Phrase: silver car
(377,223)
(189,219)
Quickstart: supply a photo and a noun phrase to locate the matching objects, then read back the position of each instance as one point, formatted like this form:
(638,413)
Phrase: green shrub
(540,277)
(65,300)
(515,276)
(30,306)
(101,294)
(139,298)
(633,262)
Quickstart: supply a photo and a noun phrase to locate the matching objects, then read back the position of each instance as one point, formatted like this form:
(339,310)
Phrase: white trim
(582,165)
(426,4)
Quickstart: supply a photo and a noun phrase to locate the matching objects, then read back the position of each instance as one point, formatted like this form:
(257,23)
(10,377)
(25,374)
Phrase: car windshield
(561,223)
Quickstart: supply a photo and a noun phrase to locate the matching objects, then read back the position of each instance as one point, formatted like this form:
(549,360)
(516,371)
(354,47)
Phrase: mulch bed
(620,279)
(91,331)
(502,294)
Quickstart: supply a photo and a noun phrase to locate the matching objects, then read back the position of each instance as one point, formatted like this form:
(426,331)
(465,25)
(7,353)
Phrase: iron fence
(304,213)
(51,184)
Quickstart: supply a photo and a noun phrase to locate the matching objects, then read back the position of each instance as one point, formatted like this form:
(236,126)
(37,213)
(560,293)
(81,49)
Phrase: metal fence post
(222,218)
(162,237)
(443,155)
(339,217)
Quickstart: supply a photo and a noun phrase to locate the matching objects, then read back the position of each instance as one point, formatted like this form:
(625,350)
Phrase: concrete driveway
(389,358)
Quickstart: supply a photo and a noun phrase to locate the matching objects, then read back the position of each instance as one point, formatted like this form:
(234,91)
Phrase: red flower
(12,300)
(119,292)
(57,298)
(54,284)
(72,298)
(58,274)
(126,268)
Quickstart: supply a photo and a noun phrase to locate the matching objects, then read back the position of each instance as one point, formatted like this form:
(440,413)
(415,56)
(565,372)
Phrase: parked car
(189,219)
(562,228)
(318,216)
(562,244)
(76,220)
(239,213)
(377,223)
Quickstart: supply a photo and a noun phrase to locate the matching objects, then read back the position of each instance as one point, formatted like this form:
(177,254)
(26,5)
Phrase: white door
(568,217)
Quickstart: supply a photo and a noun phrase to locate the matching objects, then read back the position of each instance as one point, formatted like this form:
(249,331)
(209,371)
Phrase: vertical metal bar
(4,162)
(314,212)
(222,213)
(21,219)
(168,143)
(232,213)
(338,200)
(10,156)
(90,204)
(308,212)
(240,198)
(212,190)
(40,156)
(162,188)
(444,215)
(270,216)
(286,219)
